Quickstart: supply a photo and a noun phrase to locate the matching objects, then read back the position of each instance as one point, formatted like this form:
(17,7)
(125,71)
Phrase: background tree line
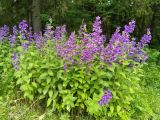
(73,12)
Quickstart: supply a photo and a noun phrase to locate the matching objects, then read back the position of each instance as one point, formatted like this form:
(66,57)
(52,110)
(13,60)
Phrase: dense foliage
(80,73)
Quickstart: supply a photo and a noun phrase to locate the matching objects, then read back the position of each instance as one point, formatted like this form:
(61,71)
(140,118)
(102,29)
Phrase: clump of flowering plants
(79,72)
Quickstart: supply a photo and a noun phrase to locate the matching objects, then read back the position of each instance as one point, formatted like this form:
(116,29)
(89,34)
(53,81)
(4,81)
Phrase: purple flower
(91,46)
(15,61)
(15,31)
(4,32)
(63,30)
(82,30)
(24,46)
(49,33)
(97,25)
(101,103)
(23,36)
(86,56)
(38,40)
(97,37)
(12,40)
(60,32)
(65,66)
(57,33)
(146,38)
(130,28)
(30,35)
(23,26)
(105,98)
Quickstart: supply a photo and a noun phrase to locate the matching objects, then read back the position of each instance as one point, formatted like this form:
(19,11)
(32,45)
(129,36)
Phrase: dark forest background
(74,12)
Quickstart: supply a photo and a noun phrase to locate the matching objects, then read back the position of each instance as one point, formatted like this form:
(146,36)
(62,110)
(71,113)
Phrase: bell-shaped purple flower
(130,28)
(4,32)
(24,46)
(105,98)
(23,26)
(12,40)
(15,61)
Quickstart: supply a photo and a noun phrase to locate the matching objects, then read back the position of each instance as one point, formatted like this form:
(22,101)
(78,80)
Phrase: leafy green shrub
(124,84)
(75,74)
(6,69)
(41,75)
(148,99)
(147,104)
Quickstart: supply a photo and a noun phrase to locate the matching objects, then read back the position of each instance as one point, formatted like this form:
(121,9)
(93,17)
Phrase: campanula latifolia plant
(79,72)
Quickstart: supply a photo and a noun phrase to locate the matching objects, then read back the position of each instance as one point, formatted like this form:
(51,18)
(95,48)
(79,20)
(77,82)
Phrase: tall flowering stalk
(23,26)
(122,46)
(82,30)
(88,46)
(130,28)
(4,31)
(59,32)
(92,44)
(49,33)
(145,40)
(114,48)
(97,37)
(15,61)
(30,35)
(23,32)
(38,40)
(69,49)
(13,37)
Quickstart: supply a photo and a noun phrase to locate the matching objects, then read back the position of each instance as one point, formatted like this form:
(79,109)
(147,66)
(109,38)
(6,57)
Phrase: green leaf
(45,91)
(24,87)
(32,53)
(1,64)
(80,80)
(68,108)
(40,90)
(82,105)
(41,97)
(49,101)
(43,76)
(94,77)
(118,84)
(30,65)
(118,108)
(59,74)
(60,87)
(48,80)
(131,90)
(50,72)
(34,84)
(50,93)
(19,81)
(111,68)
(55,94)
(112,109)
(30,75)
(30,97)
(19,48)
(108,75)
(122,74)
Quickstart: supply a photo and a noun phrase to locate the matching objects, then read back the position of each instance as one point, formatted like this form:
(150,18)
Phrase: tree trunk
(36,16)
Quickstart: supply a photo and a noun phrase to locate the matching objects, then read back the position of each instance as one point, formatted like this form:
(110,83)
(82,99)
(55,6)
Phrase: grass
(22,110)
(149,98)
